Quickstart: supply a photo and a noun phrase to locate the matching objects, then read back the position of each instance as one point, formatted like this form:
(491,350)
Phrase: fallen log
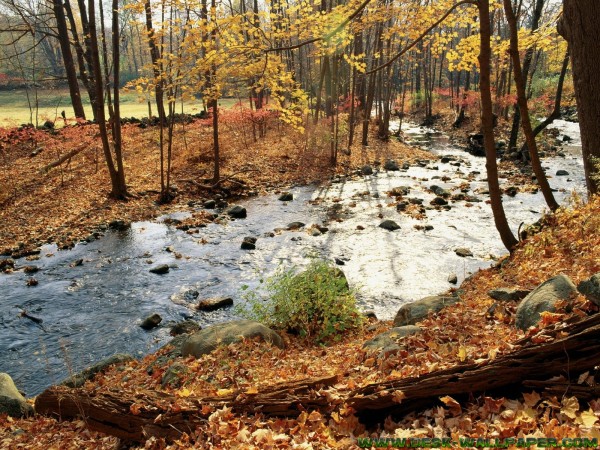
(62,159)
(567,349)
(573,350)
(140,415)
(560,389)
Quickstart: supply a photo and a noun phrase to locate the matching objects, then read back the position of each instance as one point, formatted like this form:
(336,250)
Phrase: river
(93,310)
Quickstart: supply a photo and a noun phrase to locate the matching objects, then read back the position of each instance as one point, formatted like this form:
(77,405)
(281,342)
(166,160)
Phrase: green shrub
(316,303)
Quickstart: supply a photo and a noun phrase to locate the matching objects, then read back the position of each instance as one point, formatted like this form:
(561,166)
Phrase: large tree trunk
(487,128)
(579,26)
(65,48)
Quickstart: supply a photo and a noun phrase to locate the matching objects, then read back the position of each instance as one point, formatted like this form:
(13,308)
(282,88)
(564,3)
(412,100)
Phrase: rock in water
(151,322)
(463,252)
(543,298)
(366,170)
(185,327)
(249,243)
(295,225)
(286,197)
(208,339)
(237,212)
(391,165)
(11,400)
(160,270)
(452,278)
(389,225)
(212,304)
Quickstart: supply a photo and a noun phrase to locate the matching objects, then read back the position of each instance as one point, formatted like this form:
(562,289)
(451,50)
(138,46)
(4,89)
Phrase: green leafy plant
(316,303)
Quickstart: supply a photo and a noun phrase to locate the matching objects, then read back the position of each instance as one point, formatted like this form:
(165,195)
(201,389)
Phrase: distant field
(14,109)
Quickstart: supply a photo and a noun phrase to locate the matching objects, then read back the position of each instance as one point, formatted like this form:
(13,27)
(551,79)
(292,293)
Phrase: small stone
(76,263)
(212,304)
(32,282)
(151,322)
(249,243)
(389,225)
(160,270)
(452,278)
(508,294)
(237,212)
(31,269)
(511,191)
(438,201)
(391,165)
(562,173)
(339,262)
(286,197)
(463,252)
(366,170)
(210,204)
(295,225)
(185,327)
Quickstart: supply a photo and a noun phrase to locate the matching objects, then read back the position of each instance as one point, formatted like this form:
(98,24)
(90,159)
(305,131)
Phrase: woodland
(244,99)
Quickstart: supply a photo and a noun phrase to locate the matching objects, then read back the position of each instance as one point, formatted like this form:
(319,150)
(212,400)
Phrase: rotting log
(572,350)
(62,159)
(566,349)
(140,415)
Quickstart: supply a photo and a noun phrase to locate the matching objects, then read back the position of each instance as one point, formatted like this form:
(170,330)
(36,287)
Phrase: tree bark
(67,55)
(117,414)
(579,26)
(524,108)
(487,128)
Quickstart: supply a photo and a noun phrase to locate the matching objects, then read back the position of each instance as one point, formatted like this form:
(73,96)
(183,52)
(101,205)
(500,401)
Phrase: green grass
(14,109)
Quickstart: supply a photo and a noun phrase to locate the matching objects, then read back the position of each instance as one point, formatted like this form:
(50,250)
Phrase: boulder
(389,339)
(185,327)
(160,270)
(212,304)
(286,197)
(414,312)
(151,322)
(591,289)
(208,339)
(543,298)
(11,400)
(389,225)
(391,164)
(79,379)
(237,212)
(508,294)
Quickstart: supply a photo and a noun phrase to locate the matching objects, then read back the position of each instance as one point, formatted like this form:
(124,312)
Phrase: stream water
(93,310)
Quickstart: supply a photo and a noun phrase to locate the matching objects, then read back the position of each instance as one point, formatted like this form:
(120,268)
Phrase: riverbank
(473,330)
(70,202)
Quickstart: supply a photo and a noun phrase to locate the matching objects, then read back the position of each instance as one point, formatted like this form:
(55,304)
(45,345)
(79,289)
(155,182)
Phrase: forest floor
(66,202)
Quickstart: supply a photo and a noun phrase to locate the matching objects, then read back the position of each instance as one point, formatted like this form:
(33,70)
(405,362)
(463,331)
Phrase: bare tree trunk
(487,128)
(579,25)
(524,109)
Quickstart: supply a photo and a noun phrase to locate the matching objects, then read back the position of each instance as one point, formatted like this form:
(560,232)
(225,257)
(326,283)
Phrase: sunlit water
(92,311)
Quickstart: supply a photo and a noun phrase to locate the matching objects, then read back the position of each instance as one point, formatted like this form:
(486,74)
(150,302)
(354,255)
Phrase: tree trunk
(579,26)
(487,128)
(67,55)
(524,108)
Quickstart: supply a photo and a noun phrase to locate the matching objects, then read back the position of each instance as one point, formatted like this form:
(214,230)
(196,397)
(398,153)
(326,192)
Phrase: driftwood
(62,159)
(567,351)
(136,417)
(575,350)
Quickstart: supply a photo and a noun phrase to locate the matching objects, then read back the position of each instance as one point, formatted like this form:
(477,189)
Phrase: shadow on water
(93,310)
